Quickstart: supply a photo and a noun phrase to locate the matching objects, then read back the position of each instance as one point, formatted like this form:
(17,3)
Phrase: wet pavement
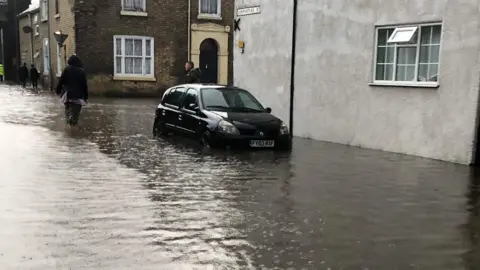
(111,197)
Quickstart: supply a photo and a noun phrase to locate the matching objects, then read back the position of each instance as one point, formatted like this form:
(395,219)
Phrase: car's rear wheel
(159,128)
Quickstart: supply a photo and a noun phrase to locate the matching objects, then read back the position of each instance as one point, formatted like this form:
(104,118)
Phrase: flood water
(111,197)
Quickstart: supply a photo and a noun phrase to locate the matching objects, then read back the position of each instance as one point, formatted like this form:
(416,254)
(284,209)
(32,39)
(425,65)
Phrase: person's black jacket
(23,73)
(73,80)
(193,75)
(34,74)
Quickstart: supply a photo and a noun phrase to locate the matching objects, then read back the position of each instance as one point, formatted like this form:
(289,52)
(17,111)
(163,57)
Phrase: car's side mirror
(193,107)
(268,110)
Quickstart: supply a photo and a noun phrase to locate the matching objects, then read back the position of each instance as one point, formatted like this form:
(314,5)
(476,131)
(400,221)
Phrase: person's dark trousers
(72,113)
(35,83)
(24,83)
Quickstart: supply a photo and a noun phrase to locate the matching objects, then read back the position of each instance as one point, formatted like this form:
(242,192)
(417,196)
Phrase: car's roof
(205,85)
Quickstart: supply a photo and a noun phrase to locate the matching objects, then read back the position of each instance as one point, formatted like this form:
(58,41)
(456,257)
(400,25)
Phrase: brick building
(33,42)
(139,47)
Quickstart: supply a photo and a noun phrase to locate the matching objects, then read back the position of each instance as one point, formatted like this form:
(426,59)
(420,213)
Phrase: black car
(220,116)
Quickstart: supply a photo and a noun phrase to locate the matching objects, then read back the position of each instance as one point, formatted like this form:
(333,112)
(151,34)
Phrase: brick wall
(99,21)
(227,16)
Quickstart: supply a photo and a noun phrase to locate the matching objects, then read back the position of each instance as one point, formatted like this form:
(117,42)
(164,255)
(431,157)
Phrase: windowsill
(134,78)
(45,73)
(406,84)
(37,34)
(44,20)
(59,75)
(57,16)
(209,17)
(134,13)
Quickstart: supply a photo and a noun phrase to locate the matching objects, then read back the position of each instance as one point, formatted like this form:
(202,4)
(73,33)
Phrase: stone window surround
(417,45)
(133,77)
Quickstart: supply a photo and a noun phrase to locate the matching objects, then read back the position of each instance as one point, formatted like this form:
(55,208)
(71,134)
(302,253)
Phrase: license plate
(262,143)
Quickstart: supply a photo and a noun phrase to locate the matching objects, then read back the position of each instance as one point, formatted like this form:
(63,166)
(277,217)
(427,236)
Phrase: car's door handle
(163,112)
(180,117)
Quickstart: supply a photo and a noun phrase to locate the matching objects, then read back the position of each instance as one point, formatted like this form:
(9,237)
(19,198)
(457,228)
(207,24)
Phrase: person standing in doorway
(73,89)
(23,74)
(193,74)
(34,74)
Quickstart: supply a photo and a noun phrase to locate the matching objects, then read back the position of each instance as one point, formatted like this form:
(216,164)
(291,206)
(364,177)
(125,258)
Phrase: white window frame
(44,10)
(144,56)
(139,11)
(59,60)
(210,15)
(35,18)
(46,57)
(403,43)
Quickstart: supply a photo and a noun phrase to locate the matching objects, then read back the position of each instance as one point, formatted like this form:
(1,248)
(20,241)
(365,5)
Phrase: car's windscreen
(228,99)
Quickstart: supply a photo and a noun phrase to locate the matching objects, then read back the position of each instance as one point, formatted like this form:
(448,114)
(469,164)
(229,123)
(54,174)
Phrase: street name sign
(247,11)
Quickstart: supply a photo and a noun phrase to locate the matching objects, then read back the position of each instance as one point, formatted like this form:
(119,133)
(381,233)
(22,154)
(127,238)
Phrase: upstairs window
(44,10)
(408,54)
(134,56)
(209,8)
(134,5)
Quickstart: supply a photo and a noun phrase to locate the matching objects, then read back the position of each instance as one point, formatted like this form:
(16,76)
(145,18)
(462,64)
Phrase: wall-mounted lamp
(241,45)
(60,37)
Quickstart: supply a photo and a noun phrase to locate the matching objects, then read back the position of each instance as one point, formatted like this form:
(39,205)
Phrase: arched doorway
(209,61)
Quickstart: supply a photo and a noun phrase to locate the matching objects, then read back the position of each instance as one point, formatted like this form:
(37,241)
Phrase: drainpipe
(50,73)
(189,26)
(31,37)
(292,64)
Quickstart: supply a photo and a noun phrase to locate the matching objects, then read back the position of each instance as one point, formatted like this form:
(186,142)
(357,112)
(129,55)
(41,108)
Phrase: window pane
(148,66)
(389,56)
(426,31)
(118,44)
(437,33)
(379,72)
(190,98)
(381,51)
(433,73)
(209,6)
(175,96)
(138,47)
(401,71)
(382,36)
(423,72)
(128,65)
(118,65)
(410,73)
(137,66)
(406,55)
(134,5)
(434,53)
(128,46)
(424,50)
(148,48)
(384,72)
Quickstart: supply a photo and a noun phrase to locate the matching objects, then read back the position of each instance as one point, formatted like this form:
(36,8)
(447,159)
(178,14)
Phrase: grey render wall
(264,67)
(334,65)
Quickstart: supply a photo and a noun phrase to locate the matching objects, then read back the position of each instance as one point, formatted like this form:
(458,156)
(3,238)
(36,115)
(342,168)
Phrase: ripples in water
(111,197)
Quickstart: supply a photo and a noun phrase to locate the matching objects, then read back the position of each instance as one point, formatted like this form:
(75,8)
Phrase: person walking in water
(73,89)
(193,74)
(34,74)
(23,74)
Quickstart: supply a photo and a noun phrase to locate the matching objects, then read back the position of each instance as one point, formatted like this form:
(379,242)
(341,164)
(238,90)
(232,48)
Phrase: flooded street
(112,197)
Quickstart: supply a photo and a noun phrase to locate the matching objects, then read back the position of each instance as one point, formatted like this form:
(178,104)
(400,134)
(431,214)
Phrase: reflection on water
(111,197)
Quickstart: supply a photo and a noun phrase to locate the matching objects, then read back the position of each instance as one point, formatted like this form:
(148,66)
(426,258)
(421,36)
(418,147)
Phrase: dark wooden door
(209,61)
